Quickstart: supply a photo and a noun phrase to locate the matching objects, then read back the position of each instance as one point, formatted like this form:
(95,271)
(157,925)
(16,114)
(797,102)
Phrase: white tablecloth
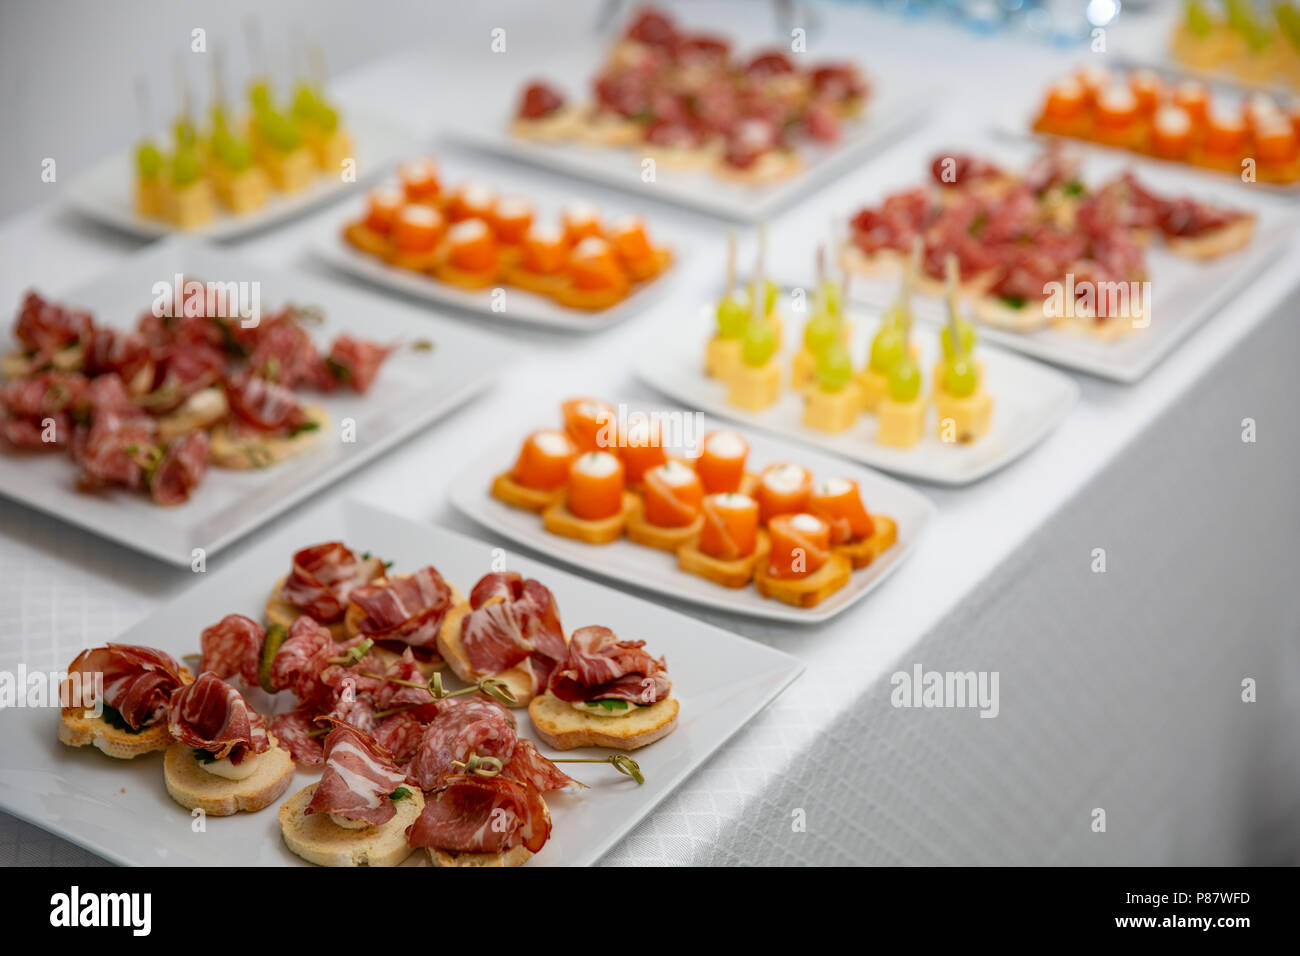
(1119,691)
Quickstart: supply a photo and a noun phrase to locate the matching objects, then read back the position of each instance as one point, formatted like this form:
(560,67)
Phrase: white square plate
(414,388)
(653,570)
(103,193)
(891,109)
(1184,292)
(1029,400)
(518,305)
(120,809)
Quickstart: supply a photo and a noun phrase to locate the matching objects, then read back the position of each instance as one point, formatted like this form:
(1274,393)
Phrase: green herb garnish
(1015,301)
(304,427)
(609,705)
(401,793)
(204,756)
(113,717)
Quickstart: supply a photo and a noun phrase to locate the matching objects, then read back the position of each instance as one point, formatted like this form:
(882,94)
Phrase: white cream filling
(1173,121)
(726,445)
(469,230)
(230,771)
(598,711)
(348,823)
(597,464)
(809,524)
(675,474)
(785,478)
(834,487)
(552,442)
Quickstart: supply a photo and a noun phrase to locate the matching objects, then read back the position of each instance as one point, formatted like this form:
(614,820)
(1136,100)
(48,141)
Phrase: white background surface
(1142,726)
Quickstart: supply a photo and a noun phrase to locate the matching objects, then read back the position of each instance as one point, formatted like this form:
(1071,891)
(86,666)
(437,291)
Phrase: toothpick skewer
(951,276)
(731,263)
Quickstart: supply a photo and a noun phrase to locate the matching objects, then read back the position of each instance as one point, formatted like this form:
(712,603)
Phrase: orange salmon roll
(672,494)
(801,544)
(1093,78)
(581,220)
(1115,117)
(590,423)
(382,206)
(1172,133)
(472,200)
(642,448)
(420,181)
(595,490)
(418,229)
(1193,97)
(1275,142)
(511,219)
(545,251)
(1147,89)
(593,266)
(783,488)
(1225,137)
(1065,109)
(838,502)
(544,460)
(472,247)
(730,528)
(721,465)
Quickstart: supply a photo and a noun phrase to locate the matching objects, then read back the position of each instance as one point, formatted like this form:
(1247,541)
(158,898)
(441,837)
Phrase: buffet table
(1119,691)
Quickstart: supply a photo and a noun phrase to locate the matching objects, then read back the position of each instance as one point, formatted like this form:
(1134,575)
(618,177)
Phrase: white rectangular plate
(891,109)
(1184,292)
(103,193)
(413,389)
(653,570)
(1029,400)
(120,809)
(519,305)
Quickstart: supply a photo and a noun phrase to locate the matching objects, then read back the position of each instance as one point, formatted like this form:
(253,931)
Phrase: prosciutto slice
(181,470)
(211,715)
(463,726)
(359,775)
(528,765)
(233,646)
(470,814)
(408,609)
(138,681)
(355,362)
(323,578)
(512,619)
(601,667)
(264,406)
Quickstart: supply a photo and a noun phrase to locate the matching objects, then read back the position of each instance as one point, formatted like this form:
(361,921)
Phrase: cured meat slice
(359,775)
(511,619)
(528,765)
(471,814)
(212,715)
(181,470)
(323,577)
(294,731)
(138,681)
(301,658)
(233,646)
(401,733)
(264,406)
(356,362)
(408,609)
(463,726)
(601,667)
(390,695)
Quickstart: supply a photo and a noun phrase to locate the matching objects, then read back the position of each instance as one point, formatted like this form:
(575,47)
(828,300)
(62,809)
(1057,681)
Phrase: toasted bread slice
(657,536)
(519,679)
(861,553)
(353,616)
(281,612)
(564,727)
(515,856)
(561,125)
(521,496)
(318,839)
(809,590)
(1216,242)
(78,730)
(242,451)
(195,789)
(730,574)
(1026,318)
(558,519)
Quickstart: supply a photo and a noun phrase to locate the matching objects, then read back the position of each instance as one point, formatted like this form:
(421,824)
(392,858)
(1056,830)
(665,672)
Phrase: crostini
(117,700)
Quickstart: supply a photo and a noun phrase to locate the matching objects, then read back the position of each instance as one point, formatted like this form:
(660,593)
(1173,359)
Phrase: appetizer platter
(736,134)
(1092,260)
(464,244)
(1236,40)
(240,168)
(1181,120)
(671,502)
(179,414)
(435,701)
(926,403)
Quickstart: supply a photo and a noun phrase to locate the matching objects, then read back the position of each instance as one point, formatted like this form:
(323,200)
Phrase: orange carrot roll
(472,247)
(838,502)
(420,181)
(418,228)
(642,448)
(382,206)
(596,486)
(591,423)
(544,460)
(721,465)
(472,200)
(730,529)
(673,495)
(783,488)
(581,220)
(511,219)
(801,544)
